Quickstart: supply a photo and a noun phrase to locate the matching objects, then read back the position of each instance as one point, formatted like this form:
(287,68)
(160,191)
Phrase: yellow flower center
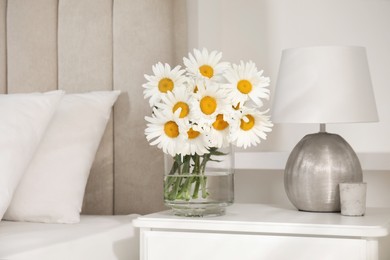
(206,70)
(246,126)
(192,134)
(165,85)
(184,109)
(219,123)
(244,86)
(236,107)
(171,129)
(208,105)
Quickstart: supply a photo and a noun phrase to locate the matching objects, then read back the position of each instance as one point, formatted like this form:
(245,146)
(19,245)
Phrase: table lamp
(321,85)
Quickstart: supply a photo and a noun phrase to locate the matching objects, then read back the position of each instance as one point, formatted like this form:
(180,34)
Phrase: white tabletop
(272,219)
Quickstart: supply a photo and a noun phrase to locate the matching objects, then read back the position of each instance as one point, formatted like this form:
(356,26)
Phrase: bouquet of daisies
(197,111)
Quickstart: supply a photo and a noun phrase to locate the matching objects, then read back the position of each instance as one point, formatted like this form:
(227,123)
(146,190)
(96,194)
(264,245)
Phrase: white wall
(259,29)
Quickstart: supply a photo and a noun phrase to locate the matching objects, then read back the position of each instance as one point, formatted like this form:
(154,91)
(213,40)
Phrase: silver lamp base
(314,169)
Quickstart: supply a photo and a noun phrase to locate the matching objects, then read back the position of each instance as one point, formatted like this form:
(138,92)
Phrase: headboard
(84,45)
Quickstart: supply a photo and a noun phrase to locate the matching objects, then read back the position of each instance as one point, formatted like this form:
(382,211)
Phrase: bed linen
(95,237)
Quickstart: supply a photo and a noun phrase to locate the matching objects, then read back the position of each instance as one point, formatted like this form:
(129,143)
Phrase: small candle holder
(353,198)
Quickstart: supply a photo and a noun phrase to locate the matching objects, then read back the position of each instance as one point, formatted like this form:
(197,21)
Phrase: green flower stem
(185,191)
(177,180)
(186,173)
(185,188)
(196,170)
(196,189)
(202,181)
(170,179)
(174,192)
(203,178)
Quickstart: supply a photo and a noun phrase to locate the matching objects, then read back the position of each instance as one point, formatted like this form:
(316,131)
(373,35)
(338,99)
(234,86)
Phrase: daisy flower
(245,82)
(194,140)
(163,131)
(218,134)
(205,65)
(192,84)
(252,127)
(209,101)
(164,80)
(180,98)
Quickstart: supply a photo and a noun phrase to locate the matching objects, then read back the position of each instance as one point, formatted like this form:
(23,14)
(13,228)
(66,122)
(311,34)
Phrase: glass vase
(199,185)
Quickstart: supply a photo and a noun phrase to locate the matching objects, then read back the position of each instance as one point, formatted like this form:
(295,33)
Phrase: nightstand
(255,231)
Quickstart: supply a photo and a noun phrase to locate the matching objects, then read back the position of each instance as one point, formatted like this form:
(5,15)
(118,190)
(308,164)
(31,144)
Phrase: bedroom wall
(259,29)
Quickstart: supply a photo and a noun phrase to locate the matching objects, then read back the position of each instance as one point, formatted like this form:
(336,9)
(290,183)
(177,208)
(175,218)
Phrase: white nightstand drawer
(269,232)
(160,245)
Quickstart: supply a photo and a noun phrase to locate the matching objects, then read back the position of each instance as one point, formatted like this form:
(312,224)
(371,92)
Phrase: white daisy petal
(208,102)
(203,64)
(163,131)
(194,141)
(164,80)
(246,83)
(252,128)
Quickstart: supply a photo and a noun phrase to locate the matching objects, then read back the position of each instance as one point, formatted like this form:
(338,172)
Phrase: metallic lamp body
(315,167)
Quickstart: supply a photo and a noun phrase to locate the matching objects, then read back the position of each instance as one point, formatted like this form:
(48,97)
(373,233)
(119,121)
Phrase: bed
(80,46)
(95,237)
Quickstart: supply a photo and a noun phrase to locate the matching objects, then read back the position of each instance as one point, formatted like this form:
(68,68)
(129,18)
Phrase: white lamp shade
(326,84)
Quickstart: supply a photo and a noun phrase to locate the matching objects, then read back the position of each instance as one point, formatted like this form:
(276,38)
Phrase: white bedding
(95,237)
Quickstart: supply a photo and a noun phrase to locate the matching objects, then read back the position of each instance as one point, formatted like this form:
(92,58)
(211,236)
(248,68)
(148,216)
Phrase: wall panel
(3,47)
(32,45)
(143,35)
(85,64)
(180,26)
(85,45)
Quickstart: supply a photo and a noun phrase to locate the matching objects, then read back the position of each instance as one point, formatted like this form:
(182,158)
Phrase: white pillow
(23,121)
(52,189)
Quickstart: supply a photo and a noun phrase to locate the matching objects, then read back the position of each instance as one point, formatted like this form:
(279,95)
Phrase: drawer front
(161,245)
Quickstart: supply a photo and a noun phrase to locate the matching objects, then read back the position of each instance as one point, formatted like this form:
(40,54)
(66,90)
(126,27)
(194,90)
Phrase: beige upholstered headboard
(83,45)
